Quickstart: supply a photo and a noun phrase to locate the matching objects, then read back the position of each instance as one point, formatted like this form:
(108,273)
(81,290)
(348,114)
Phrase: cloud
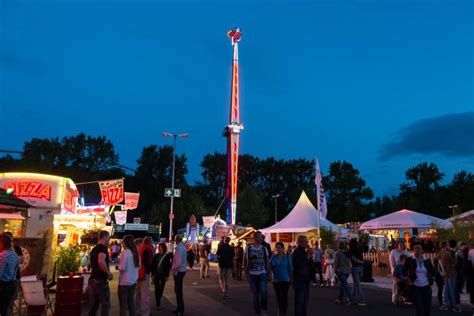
(450,135)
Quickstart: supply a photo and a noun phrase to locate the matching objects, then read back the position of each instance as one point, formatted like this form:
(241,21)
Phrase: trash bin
(367,273)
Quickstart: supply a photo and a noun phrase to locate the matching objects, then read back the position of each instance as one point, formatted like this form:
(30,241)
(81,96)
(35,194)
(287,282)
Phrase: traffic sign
(172,192)
(171,216)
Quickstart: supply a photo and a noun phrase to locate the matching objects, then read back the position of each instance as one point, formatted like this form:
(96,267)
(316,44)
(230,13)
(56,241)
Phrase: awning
(11,216)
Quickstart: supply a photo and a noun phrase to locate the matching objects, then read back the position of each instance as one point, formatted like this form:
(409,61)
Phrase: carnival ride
(232,132)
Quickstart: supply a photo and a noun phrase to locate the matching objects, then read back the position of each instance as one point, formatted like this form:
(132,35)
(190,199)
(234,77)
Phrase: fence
(380,261)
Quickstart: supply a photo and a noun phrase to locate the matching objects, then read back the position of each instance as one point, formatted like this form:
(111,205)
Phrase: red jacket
(146,256)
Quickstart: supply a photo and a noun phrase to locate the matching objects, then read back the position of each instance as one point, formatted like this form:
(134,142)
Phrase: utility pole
(171,216)
(276,205)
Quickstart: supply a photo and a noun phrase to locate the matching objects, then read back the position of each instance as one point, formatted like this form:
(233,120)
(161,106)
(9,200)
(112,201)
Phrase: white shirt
(394,258)
(421,273)
(128,272)
(470,256)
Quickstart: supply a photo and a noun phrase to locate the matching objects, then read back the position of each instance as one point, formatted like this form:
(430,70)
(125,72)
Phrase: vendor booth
(302,220)
(404,224)
(12,213)
(52,213)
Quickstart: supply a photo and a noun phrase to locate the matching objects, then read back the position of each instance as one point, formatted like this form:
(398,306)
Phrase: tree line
(86,158)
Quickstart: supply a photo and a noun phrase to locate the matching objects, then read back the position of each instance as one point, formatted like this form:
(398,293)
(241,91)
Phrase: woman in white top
(394,259)
(128,275)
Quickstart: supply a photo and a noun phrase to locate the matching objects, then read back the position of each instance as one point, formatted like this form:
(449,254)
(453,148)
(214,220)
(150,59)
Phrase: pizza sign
(30,189)
(111,191)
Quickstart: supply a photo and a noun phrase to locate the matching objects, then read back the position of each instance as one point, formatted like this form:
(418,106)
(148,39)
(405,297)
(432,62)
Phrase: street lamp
(182,135)
(454,208)
(276,205)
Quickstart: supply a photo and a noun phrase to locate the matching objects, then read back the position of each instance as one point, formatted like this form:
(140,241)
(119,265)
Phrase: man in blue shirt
(317,264)
(9,265)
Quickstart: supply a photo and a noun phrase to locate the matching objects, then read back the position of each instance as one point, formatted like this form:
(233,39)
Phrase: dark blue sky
(382,84)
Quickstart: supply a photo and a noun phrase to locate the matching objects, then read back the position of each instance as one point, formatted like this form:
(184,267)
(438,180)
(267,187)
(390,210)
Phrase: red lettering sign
(30,189)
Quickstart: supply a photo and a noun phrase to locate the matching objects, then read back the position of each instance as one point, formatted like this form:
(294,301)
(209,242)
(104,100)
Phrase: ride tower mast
(232,131)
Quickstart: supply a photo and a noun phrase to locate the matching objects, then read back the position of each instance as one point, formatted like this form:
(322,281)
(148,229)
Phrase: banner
(131,200)
(120,217)
(111,191)
(321,199)
(208,221)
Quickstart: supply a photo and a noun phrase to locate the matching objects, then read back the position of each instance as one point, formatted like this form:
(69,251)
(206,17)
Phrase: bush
(68,260)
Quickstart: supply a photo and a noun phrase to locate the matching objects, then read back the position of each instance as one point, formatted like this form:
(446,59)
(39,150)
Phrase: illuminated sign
(30,189)
(111,191)
(42,190)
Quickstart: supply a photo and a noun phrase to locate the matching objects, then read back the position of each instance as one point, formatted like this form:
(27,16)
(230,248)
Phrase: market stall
(51,214)
(302,220)
(403,224)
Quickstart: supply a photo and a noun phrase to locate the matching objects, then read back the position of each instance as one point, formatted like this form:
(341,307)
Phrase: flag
(321,199)
(111,191)
(131,200)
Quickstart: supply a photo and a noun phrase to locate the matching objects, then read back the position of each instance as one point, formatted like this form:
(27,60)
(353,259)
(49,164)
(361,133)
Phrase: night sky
(382,84)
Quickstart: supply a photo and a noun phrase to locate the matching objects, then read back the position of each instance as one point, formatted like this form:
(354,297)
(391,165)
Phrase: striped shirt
(9,265)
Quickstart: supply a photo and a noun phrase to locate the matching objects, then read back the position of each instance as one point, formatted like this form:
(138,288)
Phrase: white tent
(405,219)
(302,218)
(466,216)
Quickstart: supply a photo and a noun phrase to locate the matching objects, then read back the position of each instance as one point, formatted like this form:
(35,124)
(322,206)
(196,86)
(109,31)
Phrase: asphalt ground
(203,297)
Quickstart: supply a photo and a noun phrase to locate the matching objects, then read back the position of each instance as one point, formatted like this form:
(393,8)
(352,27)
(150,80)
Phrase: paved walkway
(203,297)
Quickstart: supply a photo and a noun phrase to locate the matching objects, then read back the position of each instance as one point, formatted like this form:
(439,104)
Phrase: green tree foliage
(461,191)
(421,192)
(154,174)
(346,192)
(88,158)
(251,209)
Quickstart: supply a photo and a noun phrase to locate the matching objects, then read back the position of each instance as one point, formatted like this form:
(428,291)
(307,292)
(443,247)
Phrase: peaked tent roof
(302,218)
(404,219)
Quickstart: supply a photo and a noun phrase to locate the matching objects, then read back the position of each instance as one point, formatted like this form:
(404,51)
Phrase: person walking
(160,269)
(302,275)
(204,251)
(394,259)
(329,263)
(357,262)
(282,269)
(178,269)
(447,269)
(99,291)
(190,256)
(19,252)
(142,294)
(225,257)
(238,260)
(9,266)
(256,266)
(129,263)
(342,265)
(420,273)
(438,278)
(317,256)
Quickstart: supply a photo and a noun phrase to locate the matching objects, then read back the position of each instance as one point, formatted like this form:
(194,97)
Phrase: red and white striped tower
(232,131)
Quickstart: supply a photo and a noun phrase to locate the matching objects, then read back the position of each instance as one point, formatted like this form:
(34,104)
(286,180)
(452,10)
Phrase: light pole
(276,205)
(182,135)
(453,208)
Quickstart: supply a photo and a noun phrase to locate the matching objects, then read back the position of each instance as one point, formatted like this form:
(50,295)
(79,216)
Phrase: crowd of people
(140,265)
(451,270)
